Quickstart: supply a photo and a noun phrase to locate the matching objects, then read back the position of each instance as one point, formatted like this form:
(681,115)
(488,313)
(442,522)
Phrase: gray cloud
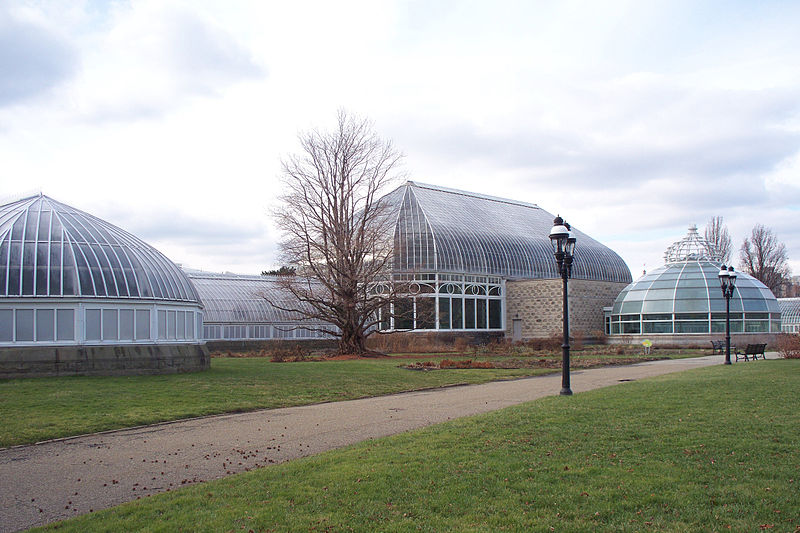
(179,227)
(729,135)
(32,59)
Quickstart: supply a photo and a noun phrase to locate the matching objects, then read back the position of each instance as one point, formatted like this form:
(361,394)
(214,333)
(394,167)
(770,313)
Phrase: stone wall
(40,361)
(538,304)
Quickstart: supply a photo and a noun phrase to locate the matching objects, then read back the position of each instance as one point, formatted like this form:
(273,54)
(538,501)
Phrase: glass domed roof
(684,296)
(50,249)
(692,287)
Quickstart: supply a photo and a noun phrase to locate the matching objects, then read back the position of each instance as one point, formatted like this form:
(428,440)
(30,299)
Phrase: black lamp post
(563,249)
(727,281)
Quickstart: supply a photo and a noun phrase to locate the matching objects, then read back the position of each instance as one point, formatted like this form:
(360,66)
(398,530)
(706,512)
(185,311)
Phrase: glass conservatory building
(76,290)
(459,250)
(466,259)
(684,297)
(790,314)
(238,307)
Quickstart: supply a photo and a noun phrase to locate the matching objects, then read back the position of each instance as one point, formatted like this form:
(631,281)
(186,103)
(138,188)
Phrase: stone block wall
(41,361)
(538,304)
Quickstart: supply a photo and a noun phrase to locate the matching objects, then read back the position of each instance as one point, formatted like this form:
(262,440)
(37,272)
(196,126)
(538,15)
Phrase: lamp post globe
(727,283)
(563,250)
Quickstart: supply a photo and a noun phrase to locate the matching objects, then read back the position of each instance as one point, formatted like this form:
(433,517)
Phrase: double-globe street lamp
(727,282)
(564,249)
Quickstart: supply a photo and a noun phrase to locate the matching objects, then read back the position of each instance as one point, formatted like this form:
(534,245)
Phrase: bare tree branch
(716,234)
(337,230)
(764,257)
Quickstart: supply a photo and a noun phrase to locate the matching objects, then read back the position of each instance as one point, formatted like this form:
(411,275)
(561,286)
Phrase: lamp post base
(566,392)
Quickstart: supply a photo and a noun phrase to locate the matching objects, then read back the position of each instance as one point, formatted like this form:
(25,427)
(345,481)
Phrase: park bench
(752,350)
(717,347)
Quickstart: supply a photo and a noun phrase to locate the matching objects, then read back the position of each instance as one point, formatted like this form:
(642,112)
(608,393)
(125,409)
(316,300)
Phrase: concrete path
(50,481)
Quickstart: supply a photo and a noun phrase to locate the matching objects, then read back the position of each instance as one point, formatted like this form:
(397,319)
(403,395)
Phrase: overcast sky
(632,120)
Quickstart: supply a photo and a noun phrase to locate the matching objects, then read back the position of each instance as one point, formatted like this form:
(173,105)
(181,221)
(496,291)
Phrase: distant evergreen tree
(282,271)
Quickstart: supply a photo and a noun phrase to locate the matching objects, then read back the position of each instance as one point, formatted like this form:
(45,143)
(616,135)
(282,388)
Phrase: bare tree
(337,229)
(764,257)
(717,236)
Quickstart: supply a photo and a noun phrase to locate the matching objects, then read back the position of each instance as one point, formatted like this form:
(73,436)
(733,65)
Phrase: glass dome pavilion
(684,297)
(70,278)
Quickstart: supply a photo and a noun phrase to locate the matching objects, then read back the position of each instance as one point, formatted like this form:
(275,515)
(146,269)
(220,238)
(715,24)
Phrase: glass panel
(691,316)
(45,324)
(691,305)
(753,305)
(142,324)
(386,315)
(631,307)
(426,309)
(24,325)
(657,306)
(457,313)
(495,314)
(444,313)
(657,327)
(190,327)
(661,294)
(691,327)
(480,314)
(110,331)
(756,326)
(171,325)
(92,324)
(65,325)
(469,313)
(629,318)
(721,316)
(6,325)
(162,324)
(630,327)
(126,324)
(691,293)
(635,295)
(180,325)
(29,252)
(663,284)
(658,316)
(403,313)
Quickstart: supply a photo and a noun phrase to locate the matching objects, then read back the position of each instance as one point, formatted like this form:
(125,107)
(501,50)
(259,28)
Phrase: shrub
(599,336)
(288,354)
(464,363)
(789,346)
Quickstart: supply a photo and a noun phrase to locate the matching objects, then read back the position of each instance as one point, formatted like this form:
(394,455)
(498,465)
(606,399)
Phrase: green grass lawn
(35,409)
(715,449)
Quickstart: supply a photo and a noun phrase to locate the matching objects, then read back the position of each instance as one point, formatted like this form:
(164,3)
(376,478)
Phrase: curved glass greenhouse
(240,307)
(684,297)
(457,249)
(70,278)
(790,314)
(450,231)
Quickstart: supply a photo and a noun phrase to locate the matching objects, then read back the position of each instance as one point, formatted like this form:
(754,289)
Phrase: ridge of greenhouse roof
(471,194)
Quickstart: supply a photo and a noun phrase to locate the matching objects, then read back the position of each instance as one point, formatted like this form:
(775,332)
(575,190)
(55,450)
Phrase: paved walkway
(50,481)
